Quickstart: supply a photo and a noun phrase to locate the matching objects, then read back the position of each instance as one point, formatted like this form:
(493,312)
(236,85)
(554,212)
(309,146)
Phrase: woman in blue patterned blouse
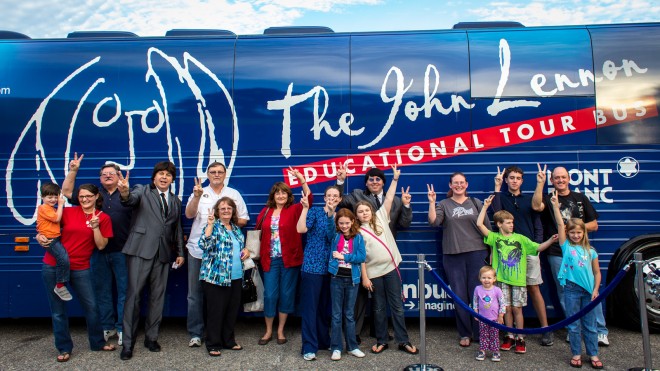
(221,273)
(318,223)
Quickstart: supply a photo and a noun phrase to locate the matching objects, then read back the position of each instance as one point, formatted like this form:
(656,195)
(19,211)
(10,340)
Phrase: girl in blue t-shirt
(580,275)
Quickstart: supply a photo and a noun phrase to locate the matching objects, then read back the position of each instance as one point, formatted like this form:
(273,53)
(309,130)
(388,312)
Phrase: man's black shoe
(152,345)
(126,354)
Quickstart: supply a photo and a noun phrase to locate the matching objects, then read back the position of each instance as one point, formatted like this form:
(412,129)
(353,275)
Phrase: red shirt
(292,249)
(78,238)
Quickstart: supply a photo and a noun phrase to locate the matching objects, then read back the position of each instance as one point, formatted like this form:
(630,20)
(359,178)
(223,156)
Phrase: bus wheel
(626,300)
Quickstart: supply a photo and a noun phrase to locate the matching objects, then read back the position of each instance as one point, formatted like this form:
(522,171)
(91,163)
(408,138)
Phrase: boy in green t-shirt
(509,259)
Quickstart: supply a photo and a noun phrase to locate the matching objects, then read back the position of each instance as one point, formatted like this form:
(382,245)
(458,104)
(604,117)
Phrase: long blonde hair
(372,222)
(575,223)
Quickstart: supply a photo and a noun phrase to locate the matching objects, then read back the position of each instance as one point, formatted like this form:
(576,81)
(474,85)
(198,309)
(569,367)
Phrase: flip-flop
(465,342)
(576,363)
(215,353)
(108,348)
(408,348)
(63,357)
(597,364)
(236,347)
(379,348)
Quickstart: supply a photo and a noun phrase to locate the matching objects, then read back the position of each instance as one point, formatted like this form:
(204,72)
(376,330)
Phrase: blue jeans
(57,250)
(462,271)
(555,265)
(315,331)
(280,288)
(387,292)
(104,267)
(577,298)
(81,283)
(195,299)
(343,293)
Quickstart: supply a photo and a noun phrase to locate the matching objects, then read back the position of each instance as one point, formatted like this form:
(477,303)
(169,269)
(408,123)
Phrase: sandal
(408,348)
(236,347)
(465,342)
(63,357)
(576,362)
(108,348)
(379,348)
(597,364)
(215,353)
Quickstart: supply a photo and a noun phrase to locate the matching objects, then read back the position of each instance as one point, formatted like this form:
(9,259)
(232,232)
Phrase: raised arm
(482,215)
(391,190)
(405,216)
(561,228)
(537,199)
(70,179)
(432,198)
(301,227)
(191,208)
(301,180)
(497,201)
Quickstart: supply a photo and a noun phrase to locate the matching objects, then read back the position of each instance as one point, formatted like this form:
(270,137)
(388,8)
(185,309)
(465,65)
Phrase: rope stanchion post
(422,365)
(641,294)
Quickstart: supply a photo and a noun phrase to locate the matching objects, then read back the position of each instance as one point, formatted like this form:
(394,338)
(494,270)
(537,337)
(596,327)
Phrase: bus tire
(625,303)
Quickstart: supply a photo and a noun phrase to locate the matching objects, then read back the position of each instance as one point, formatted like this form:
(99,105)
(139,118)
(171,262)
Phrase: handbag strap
(258,226)
(386,248)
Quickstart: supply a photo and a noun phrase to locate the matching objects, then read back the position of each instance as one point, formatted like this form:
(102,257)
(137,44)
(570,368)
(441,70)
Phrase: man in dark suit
(155,232)
(400,217)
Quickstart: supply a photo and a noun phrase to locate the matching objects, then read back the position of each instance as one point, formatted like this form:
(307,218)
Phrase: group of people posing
(129,236)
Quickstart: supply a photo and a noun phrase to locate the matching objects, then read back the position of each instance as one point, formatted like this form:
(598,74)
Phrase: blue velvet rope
(561,324)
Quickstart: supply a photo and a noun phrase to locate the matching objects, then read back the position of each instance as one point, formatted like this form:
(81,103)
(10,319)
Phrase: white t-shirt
(379,261)
(206,202)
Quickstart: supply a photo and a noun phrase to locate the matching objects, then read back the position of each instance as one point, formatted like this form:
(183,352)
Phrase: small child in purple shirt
(489,302)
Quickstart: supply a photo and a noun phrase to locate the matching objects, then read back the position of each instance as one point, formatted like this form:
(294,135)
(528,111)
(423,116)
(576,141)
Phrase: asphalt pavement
(27,344)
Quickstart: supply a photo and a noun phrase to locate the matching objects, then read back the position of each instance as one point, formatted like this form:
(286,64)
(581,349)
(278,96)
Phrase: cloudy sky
(49,19)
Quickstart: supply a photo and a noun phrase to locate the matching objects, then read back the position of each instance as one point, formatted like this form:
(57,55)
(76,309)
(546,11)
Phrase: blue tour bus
(467,99)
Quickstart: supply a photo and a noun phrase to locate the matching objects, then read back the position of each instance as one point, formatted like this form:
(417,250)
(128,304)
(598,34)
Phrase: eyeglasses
(84,197)
(375,179)
(217,172)
(459,183)
(225,209)
(109,173)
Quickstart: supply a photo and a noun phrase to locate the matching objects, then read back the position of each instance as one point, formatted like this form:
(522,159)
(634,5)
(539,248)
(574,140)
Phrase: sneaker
(520,346)
(107,334)
(547,339)
(602,340)
(63,293)
(357,353)
(481,355)
(120,338)
(309,356)
(195,342)
(336,355)
(507,344)
(496,357)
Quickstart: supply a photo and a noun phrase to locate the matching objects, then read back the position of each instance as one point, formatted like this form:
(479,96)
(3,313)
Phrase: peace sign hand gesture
(94,221)
(197,189)
(431,193)
(541,175)
(488,201)
(405,196)
(211,217)
(499,178)
(341,172)
(554,199)
(297,174)
(74,164)
(123,184)
(396,173)
(304,200)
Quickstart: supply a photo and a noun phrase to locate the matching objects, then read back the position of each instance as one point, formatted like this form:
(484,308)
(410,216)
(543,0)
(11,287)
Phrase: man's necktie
(162,198)
(377,202)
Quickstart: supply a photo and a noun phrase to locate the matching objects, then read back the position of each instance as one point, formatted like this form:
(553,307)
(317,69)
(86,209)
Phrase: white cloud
(567,12)
(47,18)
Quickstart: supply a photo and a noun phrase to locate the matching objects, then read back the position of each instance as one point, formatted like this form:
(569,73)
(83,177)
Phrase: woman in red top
(281,254)
(84,228)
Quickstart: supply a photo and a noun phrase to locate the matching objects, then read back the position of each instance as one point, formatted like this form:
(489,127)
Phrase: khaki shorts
(513,295)
(534,276)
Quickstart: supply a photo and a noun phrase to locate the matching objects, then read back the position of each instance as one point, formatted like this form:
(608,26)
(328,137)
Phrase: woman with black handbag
(221,273)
